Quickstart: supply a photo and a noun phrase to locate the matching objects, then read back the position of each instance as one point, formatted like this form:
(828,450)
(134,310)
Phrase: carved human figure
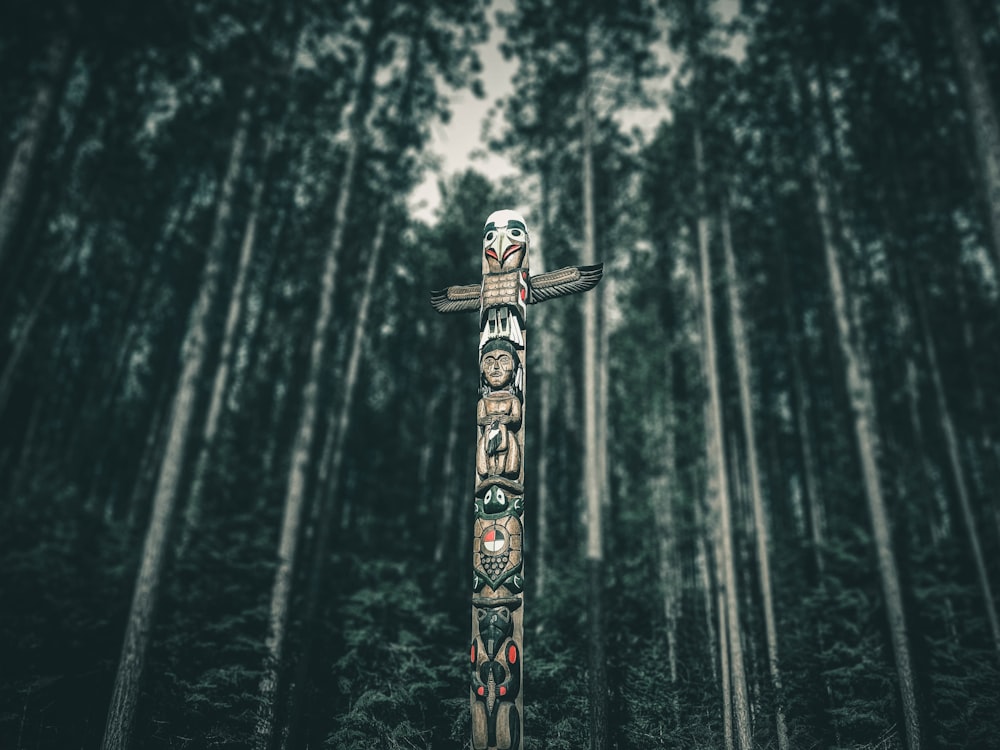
(499,412)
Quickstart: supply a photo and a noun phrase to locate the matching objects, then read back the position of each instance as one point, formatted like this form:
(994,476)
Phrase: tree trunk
(724,670)
(802,402)
(547,341)
(593,481)
(294,504)
(125,695)
(449,494)
(220,382)
(20,168)
(958,472)
(703,565)
(717,462)
(982,109)
(662,497)
(145,474)
(761,530)
(862,403)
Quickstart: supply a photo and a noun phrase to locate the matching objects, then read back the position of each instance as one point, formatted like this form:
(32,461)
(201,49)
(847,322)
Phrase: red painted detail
(491,253)
(524,294)
(512,653)
(510,251)
(503,690)
(472,653)
(481,690)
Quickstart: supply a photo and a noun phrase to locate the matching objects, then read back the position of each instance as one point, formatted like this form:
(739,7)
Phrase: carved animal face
(505,241)
(496,624)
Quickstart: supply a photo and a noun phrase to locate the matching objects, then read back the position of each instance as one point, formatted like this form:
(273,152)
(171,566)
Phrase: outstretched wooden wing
(569,280)
(456,298)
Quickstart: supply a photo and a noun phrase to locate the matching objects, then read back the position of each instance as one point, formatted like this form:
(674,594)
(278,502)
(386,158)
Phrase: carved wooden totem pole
(502,299)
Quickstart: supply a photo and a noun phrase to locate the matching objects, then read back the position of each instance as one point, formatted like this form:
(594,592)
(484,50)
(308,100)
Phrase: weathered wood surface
(502,298)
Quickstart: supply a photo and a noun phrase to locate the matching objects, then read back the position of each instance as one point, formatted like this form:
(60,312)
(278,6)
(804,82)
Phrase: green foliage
(397,671)
(104,263)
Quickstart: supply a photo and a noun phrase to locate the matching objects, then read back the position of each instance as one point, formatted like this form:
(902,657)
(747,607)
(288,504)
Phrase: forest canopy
(236,452)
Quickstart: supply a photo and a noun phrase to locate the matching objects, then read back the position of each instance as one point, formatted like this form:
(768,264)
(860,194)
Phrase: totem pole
(497,575)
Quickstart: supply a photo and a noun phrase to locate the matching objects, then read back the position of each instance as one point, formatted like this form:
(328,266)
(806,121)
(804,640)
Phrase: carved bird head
(505,241)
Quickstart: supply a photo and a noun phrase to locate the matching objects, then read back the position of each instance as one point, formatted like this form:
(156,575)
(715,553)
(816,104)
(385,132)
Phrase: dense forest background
(236,442)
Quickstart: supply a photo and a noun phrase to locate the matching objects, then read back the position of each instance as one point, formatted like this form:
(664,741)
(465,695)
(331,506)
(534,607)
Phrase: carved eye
(515,233)
(490,236)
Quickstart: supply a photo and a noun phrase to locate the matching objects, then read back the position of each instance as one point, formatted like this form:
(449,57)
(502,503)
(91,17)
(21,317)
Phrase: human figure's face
(498,367)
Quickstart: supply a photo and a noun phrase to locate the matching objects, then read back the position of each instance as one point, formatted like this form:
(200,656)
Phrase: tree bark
(723,630)
(662,497)
(547,340)
(21,166)
(593,480)
(802,403)
(125,695)
(703,564)
(761,525)
(981,107)
(862,402)
(220,383)
(717,462)
(145,474)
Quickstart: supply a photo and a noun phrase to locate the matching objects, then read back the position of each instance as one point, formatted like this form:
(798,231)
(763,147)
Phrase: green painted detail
(498,504)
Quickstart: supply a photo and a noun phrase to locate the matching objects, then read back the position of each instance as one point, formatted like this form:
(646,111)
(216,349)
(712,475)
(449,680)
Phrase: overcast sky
(458,144)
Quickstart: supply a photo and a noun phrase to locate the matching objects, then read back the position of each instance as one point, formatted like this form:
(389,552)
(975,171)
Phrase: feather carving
(569,280)
(459,298)
(544,286)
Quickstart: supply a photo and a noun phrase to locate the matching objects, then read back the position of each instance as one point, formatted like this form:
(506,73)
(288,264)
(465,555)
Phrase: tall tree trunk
(982,109)
(177,214)
(717,462)
(862,403)
(958,472)
(19,170)
(723,629)
(145,474)
(761,530)
(981,450)
(547,341)
(295,489)
(705,578)
(802,403)
(331,464)
(220,383)
(593,480)
(449,495)
(662,497)
(125,695)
